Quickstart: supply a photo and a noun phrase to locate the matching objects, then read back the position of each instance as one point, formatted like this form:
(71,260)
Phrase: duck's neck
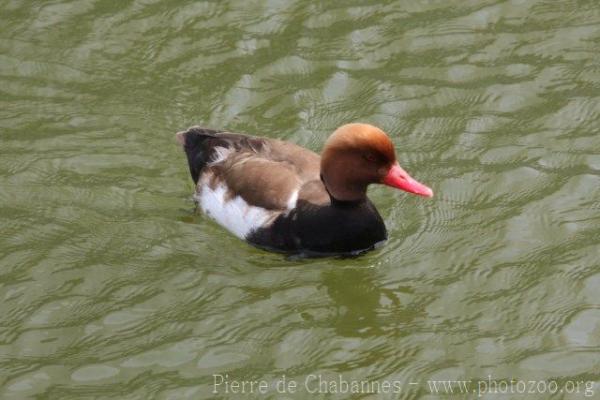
(351,199)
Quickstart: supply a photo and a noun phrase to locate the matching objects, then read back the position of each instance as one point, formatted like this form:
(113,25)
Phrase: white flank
(291,203)
(235,214)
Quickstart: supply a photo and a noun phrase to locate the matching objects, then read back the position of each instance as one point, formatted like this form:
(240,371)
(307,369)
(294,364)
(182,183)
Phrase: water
(113,287)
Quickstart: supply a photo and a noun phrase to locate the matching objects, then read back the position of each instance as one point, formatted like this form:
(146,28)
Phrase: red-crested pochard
(282,197)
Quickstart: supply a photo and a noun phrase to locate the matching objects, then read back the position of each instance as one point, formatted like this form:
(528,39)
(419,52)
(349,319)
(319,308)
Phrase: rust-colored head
(356,155)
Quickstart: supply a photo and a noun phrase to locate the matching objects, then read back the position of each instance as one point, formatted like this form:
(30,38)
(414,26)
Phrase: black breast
(338,228)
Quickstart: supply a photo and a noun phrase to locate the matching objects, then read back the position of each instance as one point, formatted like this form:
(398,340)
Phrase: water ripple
(112,286)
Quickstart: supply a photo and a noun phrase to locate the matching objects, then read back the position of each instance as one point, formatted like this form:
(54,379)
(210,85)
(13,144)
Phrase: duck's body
(276,195)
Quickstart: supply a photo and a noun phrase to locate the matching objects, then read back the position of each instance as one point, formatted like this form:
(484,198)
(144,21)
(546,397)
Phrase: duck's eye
(370,157)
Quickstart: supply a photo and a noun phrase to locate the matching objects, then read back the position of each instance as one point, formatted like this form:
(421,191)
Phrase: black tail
(199,144)
(197,148)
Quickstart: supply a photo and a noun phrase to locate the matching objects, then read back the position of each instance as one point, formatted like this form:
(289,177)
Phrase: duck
(282,197)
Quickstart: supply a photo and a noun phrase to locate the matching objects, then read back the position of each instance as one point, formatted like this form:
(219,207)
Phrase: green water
(112,287)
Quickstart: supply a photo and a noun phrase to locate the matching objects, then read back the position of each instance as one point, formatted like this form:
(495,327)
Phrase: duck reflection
(364,307)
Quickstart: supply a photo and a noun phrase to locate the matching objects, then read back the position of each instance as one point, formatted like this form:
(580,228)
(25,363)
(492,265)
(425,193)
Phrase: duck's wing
(265,173)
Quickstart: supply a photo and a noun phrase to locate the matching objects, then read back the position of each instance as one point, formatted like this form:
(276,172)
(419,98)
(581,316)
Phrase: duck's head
(355,156)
